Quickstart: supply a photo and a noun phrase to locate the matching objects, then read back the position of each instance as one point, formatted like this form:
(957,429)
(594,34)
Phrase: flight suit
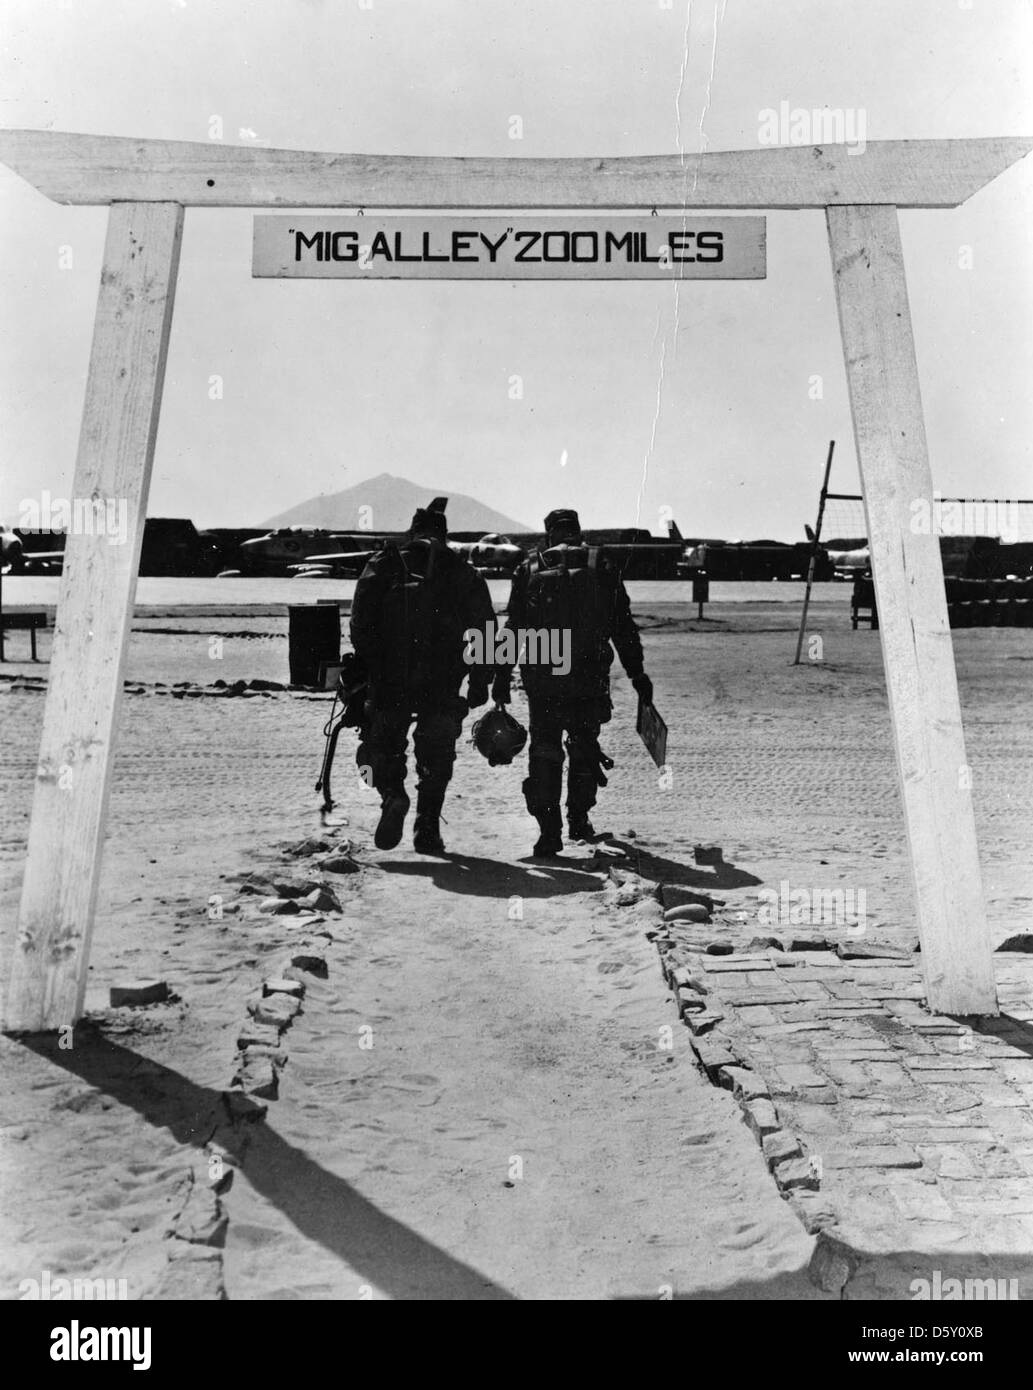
(411,608)
(569,710)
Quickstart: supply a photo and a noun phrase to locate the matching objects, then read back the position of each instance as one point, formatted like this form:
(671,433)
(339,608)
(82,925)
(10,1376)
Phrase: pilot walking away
(412,606)
(575,593)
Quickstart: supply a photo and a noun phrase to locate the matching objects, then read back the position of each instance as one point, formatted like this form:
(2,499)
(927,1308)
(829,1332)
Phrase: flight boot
(579,827)
(427,830)
(543,788)
(394,807)
(550,841)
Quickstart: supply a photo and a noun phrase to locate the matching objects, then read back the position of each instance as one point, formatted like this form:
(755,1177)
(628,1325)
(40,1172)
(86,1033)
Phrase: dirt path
(517,1128)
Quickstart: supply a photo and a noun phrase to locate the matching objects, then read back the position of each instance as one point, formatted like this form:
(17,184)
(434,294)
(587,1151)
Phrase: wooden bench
(20,621)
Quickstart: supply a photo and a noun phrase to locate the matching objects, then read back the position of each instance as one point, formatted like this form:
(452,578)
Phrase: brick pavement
(902,1139)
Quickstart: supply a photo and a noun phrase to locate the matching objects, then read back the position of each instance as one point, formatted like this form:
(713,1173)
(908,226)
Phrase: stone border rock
(261,1054)
(196,1235)
(178,690)
(715,1050)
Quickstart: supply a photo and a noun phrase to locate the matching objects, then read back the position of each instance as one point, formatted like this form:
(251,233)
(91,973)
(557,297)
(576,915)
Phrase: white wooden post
(94,614)
(889,430)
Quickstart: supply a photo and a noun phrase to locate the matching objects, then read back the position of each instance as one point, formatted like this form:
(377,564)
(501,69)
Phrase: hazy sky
(704,392)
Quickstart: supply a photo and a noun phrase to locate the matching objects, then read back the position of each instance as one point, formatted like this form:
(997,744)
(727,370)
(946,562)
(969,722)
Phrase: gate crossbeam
(97,169)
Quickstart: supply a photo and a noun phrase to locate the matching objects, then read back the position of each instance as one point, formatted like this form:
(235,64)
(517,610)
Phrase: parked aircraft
(847,560)
(14,559)
(334,566)
(754,560)
(493,555)
(289,549)
(319,554)
(11,553)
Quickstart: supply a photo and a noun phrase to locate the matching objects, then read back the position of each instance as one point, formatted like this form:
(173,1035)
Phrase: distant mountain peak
(386,503)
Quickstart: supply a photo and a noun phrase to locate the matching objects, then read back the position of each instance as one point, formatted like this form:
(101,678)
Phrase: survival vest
(422,621)
(568,597)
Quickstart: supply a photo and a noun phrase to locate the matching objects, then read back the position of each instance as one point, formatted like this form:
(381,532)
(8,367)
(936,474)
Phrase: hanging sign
(509,248)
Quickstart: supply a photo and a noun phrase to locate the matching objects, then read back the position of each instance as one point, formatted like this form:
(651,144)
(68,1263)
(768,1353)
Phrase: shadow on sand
(322,1206)
(494,878)
(716,873)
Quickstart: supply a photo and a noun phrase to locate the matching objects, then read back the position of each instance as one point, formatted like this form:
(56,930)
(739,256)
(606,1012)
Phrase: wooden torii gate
(148,183)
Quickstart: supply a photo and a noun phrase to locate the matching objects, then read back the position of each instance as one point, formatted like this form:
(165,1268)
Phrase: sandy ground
(507,1049)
